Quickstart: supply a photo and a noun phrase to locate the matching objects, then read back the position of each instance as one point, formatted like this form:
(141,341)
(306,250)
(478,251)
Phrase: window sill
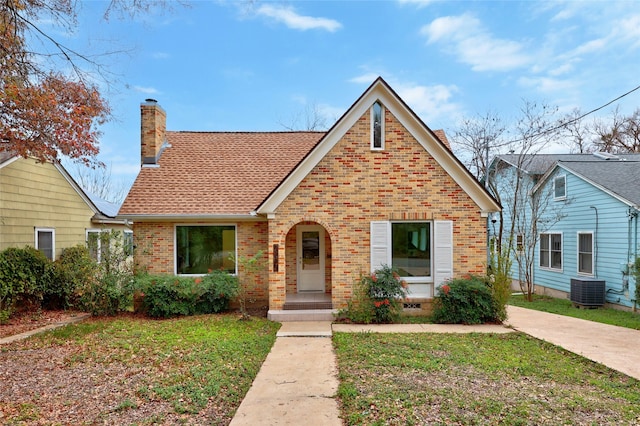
(548,269)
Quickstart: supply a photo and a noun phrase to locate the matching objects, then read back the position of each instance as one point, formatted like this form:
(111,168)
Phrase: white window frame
(175,245)
(441,254)
(579,233)
(98,231)
(382,132)
(415,279)
(555,194)
(519,243)
(36,231)
(128,241)
(549,267)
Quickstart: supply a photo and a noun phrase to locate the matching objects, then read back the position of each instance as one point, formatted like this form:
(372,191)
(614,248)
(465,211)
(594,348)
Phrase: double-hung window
(200,249)
(45,241)
(128,243)
(98,241)
(585,253)
(551,251)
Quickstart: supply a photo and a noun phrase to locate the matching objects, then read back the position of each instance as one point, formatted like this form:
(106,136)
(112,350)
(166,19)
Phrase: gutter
(189,218)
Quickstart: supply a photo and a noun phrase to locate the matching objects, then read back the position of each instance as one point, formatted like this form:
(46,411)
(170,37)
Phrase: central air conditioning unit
(587,291)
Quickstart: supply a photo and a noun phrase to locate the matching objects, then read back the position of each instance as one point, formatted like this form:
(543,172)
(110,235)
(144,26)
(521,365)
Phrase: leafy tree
(44,112)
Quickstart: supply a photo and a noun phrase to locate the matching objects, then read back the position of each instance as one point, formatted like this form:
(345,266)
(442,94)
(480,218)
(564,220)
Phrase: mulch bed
(27,321)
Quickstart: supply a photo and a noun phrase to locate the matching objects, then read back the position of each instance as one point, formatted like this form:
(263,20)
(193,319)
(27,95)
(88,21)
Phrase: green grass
(565,307)
(416,379)
(178,367)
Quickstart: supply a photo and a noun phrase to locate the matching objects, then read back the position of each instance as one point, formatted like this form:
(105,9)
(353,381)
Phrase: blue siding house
(589,223)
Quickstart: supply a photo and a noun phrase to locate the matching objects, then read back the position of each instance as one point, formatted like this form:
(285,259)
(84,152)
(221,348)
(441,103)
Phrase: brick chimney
(153,129)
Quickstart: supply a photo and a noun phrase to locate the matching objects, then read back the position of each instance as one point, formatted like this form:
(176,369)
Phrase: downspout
(595,245)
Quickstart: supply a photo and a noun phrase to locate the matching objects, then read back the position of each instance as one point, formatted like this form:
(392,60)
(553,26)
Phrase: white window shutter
(380,244)
(443,252)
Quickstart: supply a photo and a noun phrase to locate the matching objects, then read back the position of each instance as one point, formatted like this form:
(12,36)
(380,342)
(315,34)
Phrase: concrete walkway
(298,381)
(616,347)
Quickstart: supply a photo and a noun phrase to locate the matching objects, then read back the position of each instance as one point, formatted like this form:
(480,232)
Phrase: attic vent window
(377,126)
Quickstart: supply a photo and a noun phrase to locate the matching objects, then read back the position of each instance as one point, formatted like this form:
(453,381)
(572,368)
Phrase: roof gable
(616,178)
(381,91)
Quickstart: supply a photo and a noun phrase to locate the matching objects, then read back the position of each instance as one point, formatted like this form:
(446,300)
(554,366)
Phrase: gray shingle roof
(620,177)
(619,174)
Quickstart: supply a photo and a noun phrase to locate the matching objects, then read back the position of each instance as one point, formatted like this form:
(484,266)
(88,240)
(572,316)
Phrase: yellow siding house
(42,206)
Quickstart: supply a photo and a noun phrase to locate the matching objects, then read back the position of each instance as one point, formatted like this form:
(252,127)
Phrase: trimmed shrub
(72,271)
(111,290)
(464,301)
(106,294)
(377,298)
(25,273)
(168,296)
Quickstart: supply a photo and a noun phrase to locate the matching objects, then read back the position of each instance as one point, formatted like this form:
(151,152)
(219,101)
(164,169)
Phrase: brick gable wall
(353,186)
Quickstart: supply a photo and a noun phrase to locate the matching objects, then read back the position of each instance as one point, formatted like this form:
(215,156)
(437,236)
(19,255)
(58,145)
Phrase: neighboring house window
(551,251)
(97,244)
(560,187)
(45,241)
(519,243)
(411,248)
(585,253)
(128,243)
(377,126)
(493,245)
(204,248)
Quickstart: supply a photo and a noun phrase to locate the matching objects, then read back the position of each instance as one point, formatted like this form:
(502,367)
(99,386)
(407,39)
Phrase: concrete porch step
(302,306)
(281,315)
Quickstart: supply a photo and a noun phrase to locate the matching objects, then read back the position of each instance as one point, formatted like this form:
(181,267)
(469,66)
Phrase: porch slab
(305,329)
(280,315)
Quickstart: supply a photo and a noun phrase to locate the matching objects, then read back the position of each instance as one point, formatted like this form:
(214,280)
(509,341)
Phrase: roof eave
(190,217)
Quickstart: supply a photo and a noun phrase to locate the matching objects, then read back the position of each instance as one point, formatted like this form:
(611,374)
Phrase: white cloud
(466,38)
(431,103)
(418,3)
(291,19)
(629,29)
(547,85)
(147,90)
(160,55)
(367,78)
(590,47)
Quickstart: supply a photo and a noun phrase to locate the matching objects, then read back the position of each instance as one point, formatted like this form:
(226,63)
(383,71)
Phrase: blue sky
(258,65)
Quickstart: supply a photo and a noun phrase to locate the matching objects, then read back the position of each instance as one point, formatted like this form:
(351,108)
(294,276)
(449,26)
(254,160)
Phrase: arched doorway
(308,267)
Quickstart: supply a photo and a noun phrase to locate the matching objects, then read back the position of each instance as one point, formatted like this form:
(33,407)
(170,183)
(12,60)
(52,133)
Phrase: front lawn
(130,370)
(476,379)
(565,307)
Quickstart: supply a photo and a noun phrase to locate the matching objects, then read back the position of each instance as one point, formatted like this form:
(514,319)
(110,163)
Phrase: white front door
(310,242)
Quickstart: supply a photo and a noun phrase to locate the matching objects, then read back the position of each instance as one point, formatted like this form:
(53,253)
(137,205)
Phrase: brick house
(323,207)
